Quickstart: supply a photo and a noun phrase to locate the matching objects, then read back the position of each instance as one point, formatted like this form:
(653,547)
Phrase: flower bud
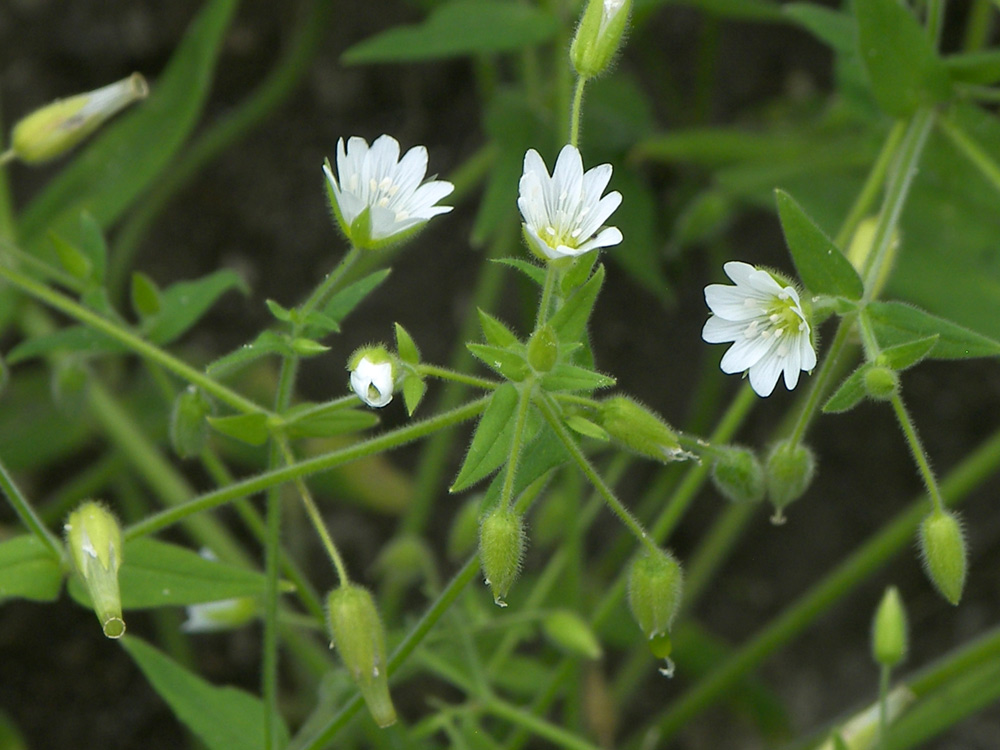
(598,36)
(543,349)
(501,548)
(738,475)
(889,636)
(640,430)
(356,632)
(655,583)
(58,127)
(94,540)
(570,632)
(942,545)
(790,471)
(188,423)
(373,375)
(225,614)
(405,560)
(881,383)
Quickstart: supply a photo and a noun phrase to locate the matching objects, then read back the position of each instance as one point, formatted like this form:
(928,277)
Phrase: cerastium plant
(550,434)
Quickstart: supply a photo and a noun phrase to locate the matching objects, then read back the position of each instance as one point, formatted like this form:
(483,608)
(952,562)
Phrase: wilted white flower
(766,323)
(224,614)
(563,214)
(379,198)
(372,376)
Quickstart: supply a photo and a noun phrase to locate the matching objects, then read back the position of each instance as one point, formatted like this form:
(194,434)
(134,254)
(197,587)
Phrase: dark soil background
(261,209)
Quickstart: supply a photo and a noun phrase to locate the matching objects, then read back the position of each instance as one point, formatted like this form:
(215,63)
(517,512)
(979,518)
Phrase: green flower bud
(640,430)
(568,631)
(738,475)
(94,540)
(543,349)
(598,36)
(406,560)
(790,471)
(357,633)
(889,636)
(188,423)
(501,549)
(881,383)
(655,584)
(58,127)
(464,530)
(942,545)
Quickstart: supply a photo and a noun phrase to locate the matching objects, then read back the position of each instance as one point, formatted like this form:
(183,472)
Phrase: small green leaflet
(850,393)
(184,303)
(495,332)
(508,362)
(570,322)
(566,377)
(70,339)
(251,429)
(28,570)
(899,323)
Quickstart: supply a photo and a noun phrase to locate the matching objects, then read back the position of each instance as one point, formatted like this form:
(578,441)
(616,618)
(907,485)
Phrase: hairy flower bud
(501,548)
(94,540)
(942,545)
(881,383)
(188,423)
(640,430)
(790,471)
(655,584)
(58,127)
(570,632)
(598,36)
(543,349)
(356,632)
(738,474)
(373,375)
(889,636)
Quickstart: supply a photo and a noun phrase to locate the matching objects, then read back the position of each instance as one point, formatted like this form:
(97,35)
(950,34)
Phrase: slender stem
(971,150)
(138,345)
(538,726)
(935,20)
(917,449)
(329,284)
(551,275)
(443,373)
(576,110)
(821,381)
(27,513)
(516,444)
(623,513)
(978,26)
(883,703)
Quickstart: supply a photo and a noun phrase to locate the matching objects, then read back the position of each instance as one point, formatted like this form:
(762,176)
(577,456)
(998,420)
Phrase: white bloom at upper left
(766,323)
(373,382)
(564,214)
(376,179)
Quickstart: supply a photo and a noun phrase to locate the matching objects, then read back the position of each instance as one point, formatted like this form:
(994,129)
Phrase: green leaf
(28,570)
(406,347)
(341,304)
(414,389)
(833,27)
(850,393)
(465,27)
(904,356)
(182,304)
(898,323)
(566,377)
(903,68)
(247,428)
(125,158)
(267,342)
(820,264)
(70,339)
(94,246)
(530,270)
(495,332)
(570,322)
(979,68)
(146,298)
(282,314)
(306,420)
(508,362)
(224,718)
(76,263)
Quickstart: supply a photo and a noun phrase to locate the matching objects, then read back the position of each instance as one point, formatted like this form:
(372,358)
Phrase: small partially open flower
(379,199)
(598,36)
(767,324)
(373,375)
(563,214)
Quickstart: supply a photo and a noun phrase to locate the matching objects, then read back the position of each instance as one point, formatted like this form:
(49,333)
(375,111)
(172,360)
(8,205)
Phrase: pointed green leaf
(414,389)
(578,273)
(341,304)
(570,322)
(280,313)
(585,427)
(981,68)
(94,246)
(463,27)
(76,263)
(247,428)
(267,342)
(821,266)
(566,377)
(224,718)
(898,323)
(495,332)
(509,363)
(904,356)
(28,570)
(69,339)
(850,393)
(547,452)
(145,295)
(306,420)
(405,347)
(184,303)
(530,270)
(833,27)
(903,68)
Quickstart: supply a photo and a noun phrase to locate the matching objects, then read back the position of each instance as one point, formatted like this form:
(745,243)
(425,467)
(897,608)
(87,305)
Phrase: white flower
(563,214)
(379,197)
(224,614)
(373,381)
(766,323)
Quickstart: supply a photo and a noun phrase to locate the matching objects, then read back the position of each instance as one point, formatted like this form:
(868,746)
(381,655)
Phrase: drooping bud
(188,423)
(889,631)
(357,633)
(737,474)
(543,349)
(225,614)
(655,585)
(598,36)
(58,127)
(881,383)
(942,545)
(640,430)
(501,549)
(570,632)
(94,540)
(790,471)
(373,375)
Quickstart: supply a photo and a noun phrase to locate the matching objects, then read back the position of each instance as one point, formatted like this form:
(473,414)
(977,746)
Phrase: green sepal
(570,322)
(905,356)
(147,301)
(578,272)
(414,389)
(566,377)
(583,426)
(75,262)
(495,332)
(280,313)
(252,429)
(899,323)
(508,362)
(406,348)
(530,270)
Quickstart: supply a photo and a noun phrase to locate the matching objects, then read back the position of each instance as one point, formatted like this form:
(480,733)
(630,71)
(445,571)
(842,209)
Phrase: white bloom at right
(563,214)
(379,198)
(372,376)
(766,323)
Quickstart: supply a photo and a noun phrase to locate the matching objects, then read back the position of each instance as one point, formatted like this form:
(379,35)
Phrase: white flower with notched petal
(563,214)
(765,321)
(372,376)
(379,199)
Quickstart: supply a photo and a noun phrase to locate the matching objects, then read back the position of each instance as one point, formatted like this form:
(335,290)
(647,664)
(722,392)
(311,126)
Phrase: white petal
(738,271)
(568,174)
(764,375)
(808,353)
(427,195)
(410,170)
(731,303)
(600,213)
(719,330)
(744,354)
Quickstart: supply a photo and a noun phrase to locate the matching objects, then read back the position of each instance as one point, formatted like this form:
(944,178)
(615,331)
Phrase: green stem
(138,345)
(971,150)
(935,20)
(27,514)
(551,275)
(516,444)
(883,703)
(443,373)
(626,517)
(328,285)
(576,110)
(917,449)
(821,381)
(978,26)
(537,726)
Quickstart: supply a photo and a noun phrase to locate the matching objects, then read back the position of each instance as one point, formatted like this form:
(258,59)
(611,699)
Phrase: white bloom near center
(379,197)
(563,214)
(373,382)
(766,323)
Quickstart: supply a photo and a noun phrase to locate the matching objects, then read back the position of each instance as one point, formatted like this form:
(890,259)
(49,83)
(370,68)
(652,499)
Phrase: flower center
(780,318)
